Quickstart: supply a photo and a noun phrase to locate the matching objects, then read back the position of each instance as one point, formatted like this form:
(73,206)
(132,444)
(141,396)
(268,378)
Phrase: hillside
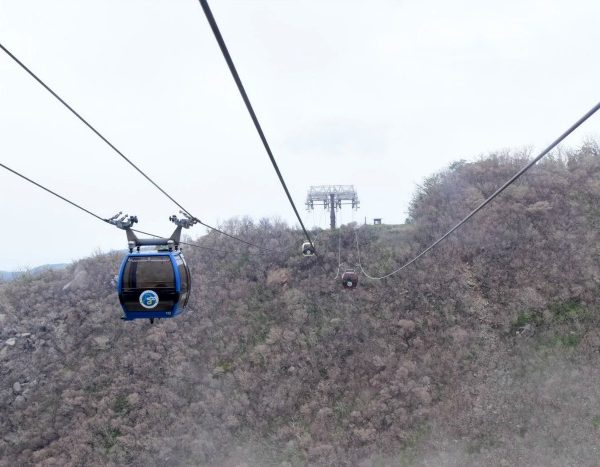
(486,352)
(10,275)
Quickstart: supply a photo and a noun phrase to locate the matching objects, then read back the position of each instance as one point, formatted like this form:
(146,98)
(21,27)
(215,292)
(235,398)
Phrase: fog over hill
(485,352)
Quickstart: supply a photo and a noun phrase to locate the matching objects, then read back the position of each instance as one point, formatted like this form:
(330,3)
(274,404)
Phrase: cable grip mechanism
(126,222)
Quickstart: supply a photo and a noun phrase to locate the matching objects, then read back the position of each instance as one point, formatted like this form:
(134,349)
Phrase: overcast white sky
(377,94)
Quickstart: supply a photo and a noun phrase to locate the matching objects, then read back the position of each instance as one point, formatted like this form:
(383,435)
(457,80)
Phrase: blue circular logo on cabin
(149,299)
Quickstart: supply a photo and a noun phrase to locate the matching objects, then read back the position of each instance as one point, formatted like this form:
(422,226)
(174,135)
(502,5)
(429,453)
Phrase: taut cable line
(87,211)
(240,86)
(509,182)
(117,151)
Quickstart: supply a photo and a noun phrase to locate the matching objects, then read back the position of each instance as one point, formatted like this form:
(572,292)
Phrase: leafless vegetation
(484,353)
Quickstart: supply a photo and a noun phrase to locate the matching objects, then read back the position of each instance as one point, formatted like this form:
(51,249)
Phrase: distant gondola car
(153,284)
(350,279)
(308,249)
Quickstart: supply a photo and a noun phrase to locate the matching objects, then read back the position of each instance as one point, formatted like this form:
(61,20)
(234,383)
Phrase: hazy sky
(377,94)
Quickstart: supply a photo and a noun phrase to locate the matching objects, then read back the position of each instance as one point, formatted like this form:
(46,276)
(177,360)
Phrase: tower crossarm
(332,197)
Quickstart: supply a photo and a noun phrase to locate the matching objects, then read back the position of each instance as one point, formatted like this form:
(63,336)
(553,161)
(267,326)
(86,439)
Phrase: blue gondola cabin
(153,284)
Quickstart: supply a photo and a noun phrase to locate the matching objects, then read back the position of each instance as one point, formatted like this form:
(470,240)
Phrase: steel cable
(509,182)
(87,211)
(217,33)
(116,150)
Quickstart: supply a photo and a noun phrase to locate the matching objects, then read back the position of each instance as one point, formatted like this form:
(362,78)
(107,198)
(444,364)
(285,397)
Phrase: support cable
(53,193)
(509,182)
(116,150)
(240,86)
(87,211)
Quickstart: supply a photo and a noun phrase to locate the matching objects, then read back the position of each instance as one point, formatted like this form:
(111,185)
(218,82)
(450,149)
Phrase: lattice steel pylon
(332,197)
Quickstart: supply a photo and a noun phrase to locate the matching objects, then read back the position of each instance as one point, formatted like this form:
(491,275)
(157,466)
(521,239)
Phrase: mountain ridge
(11,275)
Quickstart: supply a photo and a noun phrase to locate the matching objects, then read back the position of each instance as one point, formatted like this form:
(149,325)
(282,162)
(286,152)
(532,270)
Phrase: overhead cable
(87,211)
(193,245)
(53,193)
(509,182)
(116,150)
(240,86)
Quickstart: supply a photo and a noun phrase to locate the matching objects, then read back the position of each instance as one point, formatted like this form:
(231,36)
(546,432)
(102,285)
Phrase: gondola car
(153,283)
(308,249)
(350,279)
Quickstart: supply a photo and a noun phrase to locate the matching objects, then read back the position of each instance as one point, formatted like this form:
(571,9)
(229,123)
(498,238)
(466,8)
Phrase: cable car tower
(332,197)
